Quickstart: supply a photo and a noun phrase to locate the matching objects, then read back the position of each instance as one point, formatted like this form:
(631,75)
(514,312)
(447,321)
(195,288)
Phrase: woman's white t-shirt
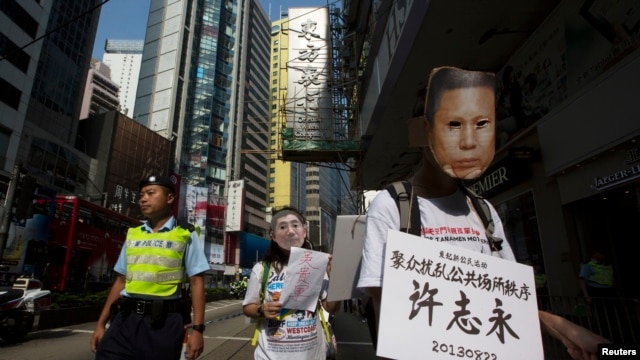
(299,335)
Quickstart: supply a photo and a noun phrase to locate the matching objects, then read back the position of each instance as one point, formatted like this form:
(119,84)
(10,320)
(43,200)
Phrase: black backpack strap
(483,211)
(407,202)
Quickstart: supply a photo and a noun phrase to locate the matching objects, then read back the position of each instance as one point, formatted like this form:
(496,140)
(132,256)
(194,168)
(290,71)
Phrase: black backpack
(402,193)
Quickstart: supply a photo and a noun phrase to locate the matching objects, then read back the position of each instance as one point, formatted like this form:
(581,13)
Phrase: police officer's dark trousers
(132,335)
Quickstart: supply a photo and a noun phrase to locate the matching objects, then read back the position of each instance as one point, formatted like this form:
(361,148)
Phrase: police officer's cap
(158,180)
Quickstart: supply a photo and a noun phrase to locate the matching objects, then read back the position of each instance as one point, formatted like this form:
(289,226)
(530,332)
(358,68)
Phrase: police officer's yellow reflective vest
(603,274)
(155,261)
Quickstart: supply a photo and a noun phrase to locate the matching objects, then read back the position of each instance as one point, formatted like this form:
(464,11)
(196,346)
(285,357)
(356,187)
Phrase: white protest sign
(305,274)
(347,255)
(446,302)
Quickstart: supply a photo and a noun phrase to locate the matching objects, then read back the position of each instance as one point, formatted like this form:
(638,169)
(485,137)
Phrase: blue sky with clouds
(127,19)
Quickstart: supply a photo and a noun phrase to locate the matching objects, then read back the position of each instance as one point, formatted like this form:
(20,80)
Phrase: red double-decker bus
(84,243)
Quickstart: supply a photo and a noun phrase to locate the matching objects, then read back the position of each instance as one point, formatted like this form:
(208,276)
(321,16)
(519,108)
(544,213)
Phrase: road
(228,336)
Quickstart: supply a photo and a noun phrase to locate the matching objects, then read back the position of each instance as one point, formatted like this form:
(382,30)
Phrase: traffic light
(24,197)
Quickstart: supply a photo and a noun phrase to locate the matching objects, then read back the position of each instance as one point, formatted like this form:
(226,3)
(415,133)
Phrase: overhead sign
(502,175)
(309,111)
(631,172)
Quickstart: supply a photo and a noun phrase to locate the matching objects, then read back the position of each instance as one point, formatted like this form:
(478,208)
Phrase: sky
(127,19)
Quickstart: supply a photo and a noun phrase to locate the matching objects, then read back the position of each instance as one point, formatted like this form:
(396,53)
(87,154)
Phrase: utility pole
(7,206)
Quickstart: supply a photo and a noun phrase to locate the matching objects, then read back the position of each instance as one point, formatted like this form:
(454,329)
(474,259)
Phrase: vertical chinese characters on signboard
(309,111)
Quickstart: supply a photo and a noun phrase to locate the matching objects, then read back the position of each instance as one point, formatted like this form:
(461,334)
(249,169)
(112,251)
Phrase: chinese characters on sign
(305,274)
(235,205)
(309,110)
(462,303)
(450,272)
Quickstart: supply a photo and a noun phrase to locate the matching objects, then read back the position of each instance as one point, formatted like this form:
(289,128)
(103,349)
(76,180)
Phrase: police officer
(596,277)
(151,310)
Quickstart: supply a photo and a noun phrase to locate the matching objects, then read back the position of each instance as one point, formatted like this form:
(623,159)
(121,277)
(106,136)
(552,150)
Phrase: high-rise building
(100,92)
(19,24)
(253,95)
(46,49)
(203,84)
(123,58)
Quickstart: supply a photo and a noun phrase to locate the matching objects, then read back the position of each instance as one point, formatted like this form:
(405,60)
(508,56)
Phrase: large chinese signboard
(309,69)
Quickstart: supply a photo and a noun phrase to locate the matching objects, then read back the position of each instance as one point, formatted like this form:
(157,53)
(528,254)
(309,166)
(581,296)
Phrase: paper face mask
(460,121)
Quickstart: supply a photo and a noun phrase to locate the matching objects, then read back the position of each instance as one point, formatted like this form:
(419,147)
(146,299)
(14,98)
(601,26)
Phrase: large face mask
(461,136)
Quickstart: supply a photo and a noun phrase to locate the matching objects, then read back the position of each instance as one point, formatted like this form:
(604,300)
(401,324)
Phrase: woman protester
(285,333)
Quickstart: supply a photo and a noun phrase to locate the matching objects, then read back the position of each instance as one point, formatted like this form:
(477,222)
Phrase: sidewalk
(234,349)
(354,342)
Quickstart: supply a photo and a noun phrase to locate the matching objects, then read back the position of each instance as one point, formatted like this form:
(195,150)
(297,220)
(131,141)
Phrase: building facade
(124,152)
(40,119)
(564,178)
(100,92)
(20,23)
(123,58)
(253,110)
(203,85)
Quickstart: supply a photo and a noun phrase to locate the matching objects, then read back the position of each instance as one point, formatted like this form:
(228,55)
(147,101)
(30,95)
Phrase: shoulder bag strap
(406,200)
(266,269)
(483,211)
(325,327)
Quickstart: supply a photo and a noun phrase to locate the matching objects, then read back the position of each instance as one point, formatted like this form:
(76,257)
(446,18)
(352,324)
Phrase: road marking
(222,318)
(205,336)
(229,338)
(211,307)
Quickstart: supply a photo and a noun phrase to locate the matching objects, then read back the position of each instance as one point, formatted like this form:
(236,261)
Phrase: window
(5,135)
(14,55)
(9,95)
